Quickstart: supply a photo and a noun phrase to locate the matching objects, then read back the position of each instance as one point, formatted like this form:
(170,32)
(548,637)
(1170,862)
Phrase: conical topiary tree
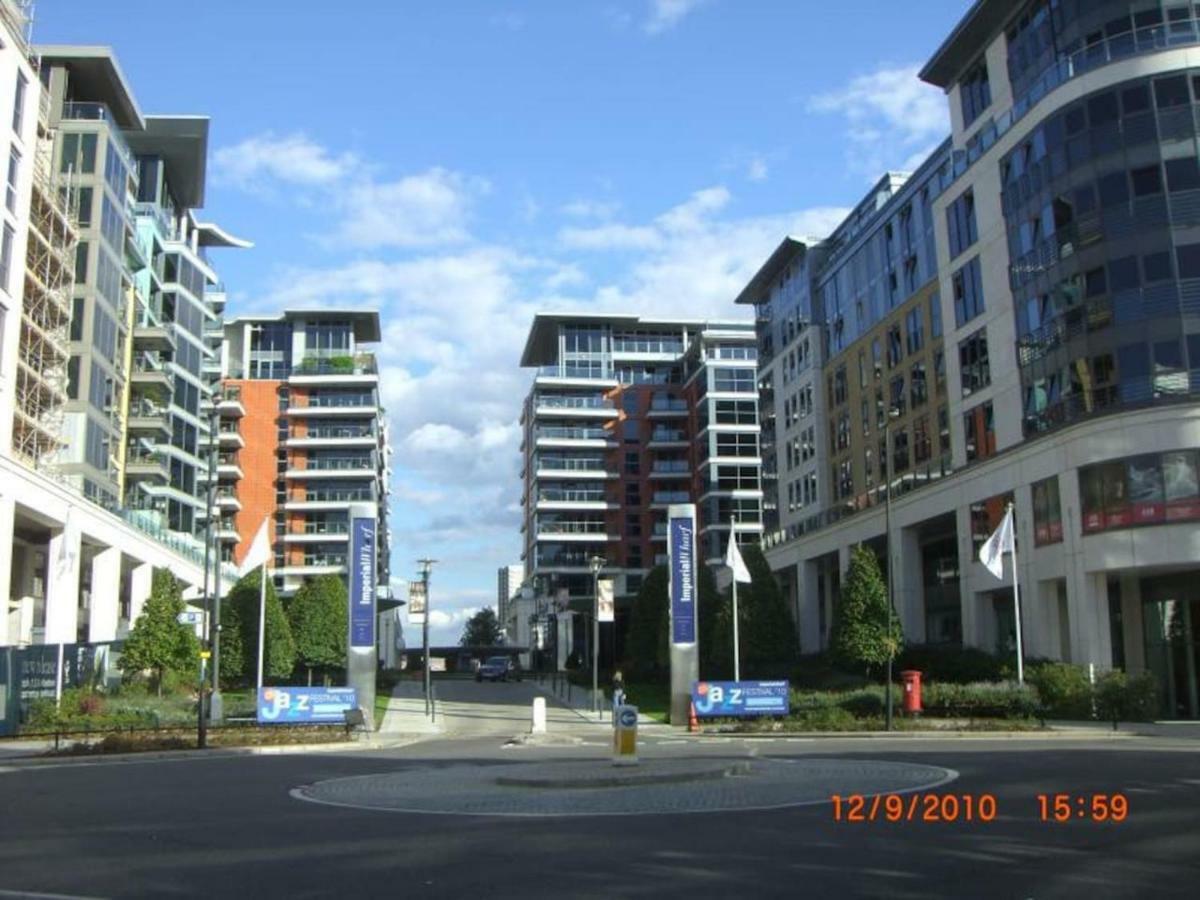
(239,633)
(647,627)
(158,641)
(865,631)
(319,617)
(769,639)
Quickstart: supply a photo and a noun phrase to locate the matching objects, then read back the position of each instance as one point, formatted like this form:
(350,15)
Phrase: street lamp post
(893,413)
(209,602)
(596,563)
(426,568)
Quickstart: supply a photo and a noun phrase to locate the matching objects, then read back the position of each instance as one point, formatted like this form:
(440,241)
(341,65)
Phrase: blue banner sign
(740,698)
(289,705)
(681,535)
(362,582)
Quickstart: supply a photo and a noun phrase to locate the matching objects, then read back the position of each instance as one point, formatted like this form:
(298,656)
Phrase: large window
(973,363)
(1047,512)
(19,102)
(914,327)
(1149,489)
(979,428)
(975,92)
(960,223)
(14,172)
(6,250)
(738,381)
(968,293)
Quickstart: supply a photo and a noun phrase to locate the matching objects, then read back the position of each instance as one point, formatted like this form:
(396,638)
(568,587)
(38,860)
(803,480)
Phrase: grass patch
(651,699)
(381,705)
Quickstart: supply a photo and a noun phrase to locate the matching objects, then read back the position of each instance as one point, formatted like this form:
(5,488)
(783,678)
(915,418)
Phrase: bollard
(538,726)
(625,722)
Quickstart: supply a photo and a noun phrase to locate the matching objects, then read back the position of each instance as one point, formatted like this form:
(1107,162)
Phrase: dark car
(498,668)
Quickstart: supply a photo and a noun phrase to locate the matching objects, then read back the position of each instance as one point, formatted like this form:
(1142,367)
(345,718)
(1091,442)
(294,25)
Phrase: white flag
(733,559)
(260,549)
(992,553)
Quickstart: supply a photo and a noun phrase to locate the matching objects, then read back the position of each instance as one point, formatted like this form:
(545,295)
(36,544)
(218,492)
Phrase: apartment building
(1056,344)
(508,585)
(626,416)
(70,570)
(301,436)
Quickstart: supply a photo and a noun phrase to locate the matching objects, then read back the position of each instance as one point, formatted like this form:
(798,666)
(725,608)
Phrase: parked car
(499,668)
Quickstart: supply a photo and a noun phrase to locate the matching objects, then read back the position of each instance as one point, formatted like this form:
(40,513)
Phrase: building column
(62,586)
(1131,617)
(1087,605)
(106,595)
(1040,616)
(909,585)
(808,605)
(976,628)
(140,581)
(8,603)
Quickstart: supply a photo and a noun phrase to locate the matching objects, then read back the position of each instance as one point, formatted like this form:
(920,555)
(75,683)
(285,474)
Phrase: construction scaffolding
(46,308)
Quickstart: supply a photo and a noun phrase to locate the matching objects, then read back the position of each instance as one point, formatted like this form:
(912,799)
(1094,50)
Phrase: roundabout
(596,788)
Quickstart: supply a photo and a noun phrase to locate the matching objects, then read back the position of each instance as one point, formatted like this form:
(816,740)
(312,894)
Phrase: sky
(464,164)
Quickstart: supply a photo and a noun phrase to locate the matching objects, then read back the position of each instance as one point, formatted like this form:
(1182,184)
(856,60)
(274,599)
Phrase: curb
(91,759)
(925,735)
(628,780)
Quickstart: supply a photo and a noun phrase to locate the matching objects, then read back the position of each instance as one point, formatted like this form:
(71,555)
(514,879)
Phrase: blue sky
(463,164)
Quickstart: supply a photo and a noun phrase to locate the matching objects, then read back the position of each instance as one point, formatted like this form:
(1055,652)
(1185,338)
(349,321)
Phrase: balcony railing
(666,435)
(337,401)
(361,364)
(336,431)
(557,402)
(671,465)
(324,559)
(339,464)
(589,464)
(574,434)
(571,496)
(326,528)
(670,497)
(596,528)
(658,405)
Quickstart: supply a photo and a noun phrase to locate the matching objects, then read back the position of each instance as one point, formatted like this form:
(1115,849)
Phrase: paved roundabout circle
(596,788)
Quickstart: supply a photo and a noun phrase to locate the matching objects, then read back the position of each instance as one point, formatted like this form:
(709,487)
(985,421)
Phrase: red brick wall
(259,430)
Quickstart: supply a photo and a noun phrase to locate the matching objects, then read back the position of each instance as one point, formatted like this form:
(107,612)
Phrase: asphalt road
(228,827)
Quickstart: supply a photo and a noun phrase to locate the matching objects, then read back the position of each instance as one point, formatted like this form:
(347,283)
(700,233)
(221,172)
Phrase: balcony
(226,532)
(668,409)
(230,437)
(347,437)
(557,406)
(155,337)
(225,499)
(670,468)
(148,419)
(334,468)
(359,369)
(229,402)
(570,436)
(550,499)
(665,438)
(325,533)
(144,465)
(328,500)
(151,373)
(663,499)
(228,467)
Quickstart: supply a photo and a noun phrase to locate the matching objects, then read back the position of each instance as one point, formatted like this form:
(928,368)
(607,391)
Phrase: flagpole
(1016,595)
(737,664)
(262,619)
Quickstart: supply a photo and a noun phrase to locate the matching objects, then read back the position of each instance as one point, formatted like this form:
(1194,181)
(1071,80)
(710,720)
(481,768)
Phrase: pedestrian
(618,690)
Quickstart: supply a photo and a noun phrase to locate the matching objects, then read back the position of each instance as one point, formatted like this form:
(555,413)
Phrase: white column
(62,586)
(140,581)
(1087,603)
(7,602)
(975,628)
(106,595)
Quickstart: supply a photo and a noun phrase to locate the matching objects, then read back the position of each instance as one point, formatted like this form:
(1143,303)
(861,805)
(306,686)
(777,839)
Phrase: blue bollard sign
(717,699)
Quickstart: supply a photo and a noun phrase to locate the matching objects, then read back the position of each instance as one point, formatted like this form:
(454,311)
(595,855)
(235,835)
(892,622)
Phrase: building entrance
(1171,622)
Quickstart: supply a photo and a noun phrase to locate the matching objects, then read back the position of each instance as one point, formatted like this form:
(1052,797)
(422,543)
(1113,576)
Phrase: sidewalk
(405,713)
(579,700)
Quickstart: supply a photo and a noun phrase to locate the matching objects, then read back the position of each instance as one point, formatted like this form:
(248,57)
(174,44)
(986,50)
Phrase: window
(979,428)
(633,494)
(896,394)
(973,362)
(1123,273)
(935,316)
(1113,188)
(1147,181)
(968,293)
(739,381)
(630,431)
(632,463)
(960,223)
(914,327)
(1183,174)
(6,247)
(1047,513)
(1170,92)
(1188,257)
(895,348)
(899,449)
(918,388)
(19,102)
(976,92)
(14,171)
(922,448)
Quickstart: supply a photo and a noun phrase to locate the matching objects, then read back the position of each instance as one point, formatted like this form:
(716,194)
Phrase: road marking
(34,895)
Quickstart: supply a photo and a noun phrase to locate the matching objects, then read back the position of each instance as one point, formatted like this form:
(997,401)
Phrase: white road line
(34,895)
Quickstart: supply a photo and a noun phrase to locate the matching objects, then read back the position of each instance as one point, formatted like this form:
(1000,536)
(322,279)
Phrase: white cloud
(666,14)
(891,115)
(609,237)
(293,159)
(757,170)
(591,209)
(424,210)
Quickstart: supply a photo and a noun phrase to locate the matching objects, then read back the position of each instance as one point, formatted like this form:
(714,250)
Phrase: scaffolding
(41,388)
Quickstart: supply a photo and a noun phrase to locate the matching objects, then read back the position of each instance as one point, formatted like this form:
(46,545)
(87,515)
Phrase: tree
(239,633)
(770,640)
(481,630)
(319,618)
(865,631)
(158,641)
(646,639)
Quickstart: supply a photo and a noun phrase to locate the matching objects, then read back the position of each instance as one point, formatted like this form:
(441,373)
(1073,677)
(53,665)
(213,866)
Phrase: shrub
(1063,689)
(817,671)
(830,718)
(868,701)
(980,699)
(574,661)
(950,663)
(1121,698)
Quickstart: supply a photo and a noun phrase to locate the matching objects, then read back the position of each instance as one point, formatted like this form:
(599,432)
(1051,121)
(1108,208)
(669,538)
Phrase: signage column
(360,664)
(685,657)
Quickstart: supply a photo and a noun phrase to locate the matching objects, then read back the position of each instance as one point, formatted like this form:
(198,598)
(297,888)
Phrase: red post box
(912,691)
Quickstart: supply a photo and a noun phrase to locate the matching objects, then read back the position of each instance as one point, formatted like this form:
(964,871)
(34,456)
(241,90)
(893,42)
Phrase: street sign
(362,582)
(416,602)
(715,699)
(288,705)
(681,551)
(604,600)
(625,723)
(190,617)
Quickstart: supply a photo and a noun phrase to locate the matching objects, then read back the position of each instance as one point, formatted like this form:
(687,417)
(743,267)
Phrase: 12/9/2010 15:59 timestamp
(949,807)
